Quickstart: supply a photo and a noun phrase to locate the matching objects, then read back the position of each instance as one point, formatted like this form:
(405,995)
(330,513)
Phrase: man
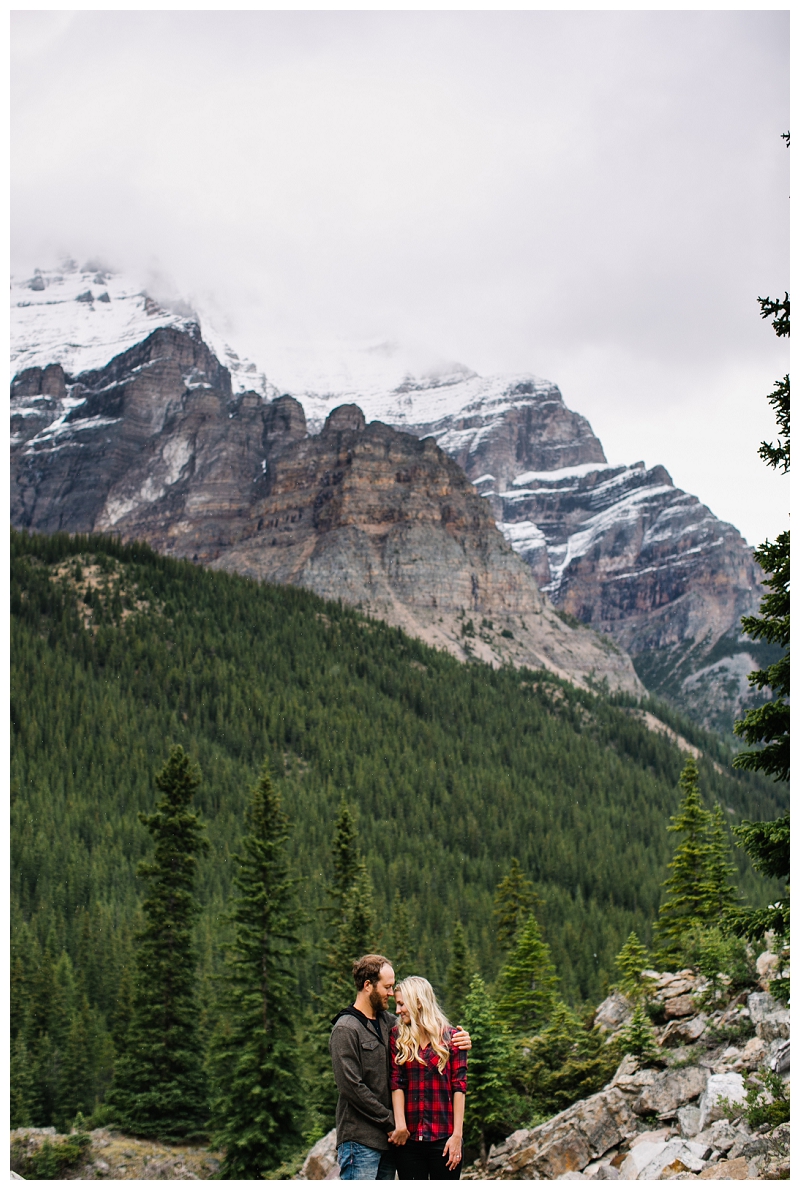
(359,1046)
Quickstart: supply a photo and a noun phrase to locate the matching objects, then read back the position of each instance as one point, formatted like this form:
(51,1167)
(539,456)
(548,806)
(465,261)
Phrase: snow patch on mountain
(82,318)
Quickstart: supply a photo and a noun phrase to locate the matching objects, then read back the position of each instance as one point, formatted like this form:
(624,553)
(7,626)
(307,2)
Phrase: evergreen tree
(526,986)
(258,1097)
(159,1084)
(767,843)
(686,902)
(76,1082)
(346,855)
(563,1063)
(492,1105)
(638,1036)
(400,950)
(631,961)
(718,892)
(514,901)
(23,1084)
(457,984)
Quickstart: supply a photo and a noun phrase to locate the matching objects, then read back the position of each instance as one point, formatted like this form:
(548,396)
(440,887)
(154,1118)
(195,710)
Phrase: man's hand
(452,1151)
(398,1137)
(462,1041)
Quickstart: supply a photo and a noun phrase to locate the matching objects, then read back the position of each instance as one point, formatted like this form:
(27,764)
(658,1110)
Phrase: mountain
(156,446)
(617,548)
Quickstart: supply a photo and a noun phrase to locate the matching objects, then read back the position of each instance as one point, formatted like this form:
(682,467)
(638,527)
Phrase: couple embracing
(402,1080)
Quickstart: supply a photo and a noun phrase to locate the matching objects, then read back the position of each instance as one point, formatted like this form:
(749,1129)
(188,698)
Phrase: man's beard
(375,1002)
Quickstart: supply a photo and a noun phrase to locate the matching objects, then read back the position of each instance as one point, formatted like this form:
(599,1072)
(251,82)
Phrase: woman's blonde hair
(426,1015)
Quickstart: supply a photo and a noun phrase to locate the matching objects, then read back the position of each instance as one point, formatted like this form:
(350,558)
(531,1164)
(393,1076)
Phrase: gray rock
(761,1005)
(720,1086)
(320,1163)
(774,1026)
(683,1032)
(615,1011)
(689,1120)
(678,1006)
(779,1056)
(671,1090)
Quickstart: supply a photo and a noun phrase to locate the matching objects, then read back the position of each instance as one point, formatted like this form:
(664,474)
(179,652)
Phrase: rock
(683,1032)
(721,1135)
(767,965)
(321,1162)
(774,1027)
(778,1056)
(670,986)
(652,1137)
(689,1120)
(719,1087)
(647,1161)
(671,1090)
(761,1005)
(606,1172)
(752,1055)
(735,1170)
(157,447)
(678,1006)
(614,1012)
(569,1141)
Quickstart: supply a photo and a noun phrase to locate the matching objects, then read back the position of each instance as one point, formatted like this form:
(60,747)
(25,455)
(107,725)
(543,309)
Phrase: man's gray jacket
(361,1069)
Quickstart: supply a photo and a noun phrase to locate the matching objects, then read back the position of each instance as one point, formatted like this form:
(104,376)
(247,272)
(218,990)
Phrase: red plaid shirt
(429,1094)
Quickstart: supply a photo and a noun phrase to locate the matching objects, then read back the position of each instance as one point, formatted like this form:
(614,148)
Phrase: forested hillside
(118,653)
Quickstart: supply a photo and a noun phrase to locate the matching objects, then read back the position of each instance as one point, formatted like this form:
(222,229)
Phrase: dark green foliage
(22,1085)
(565,1062)
(48,1161)
(769,724)
(458,975)
(766,1101)
(526,985)
(159,1085)
(514,900)
(697,891)
(637,1037)
(450,771)
(492,1104)
(258,1095)
(631,961)
(715,953)
(767,843)
(401,947)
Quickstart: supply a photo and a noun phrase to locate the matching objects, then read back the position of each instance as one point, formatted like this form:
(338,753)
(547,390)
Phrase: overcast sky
(598,198)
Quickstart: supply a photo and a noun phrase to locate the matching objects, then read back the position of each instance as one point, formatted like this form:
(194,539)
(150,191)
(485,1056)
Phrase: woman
(429,1086)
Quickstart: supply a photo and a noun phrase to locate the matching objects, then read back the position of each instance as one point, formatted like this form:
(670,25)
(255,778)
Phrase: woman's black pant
(421,1160)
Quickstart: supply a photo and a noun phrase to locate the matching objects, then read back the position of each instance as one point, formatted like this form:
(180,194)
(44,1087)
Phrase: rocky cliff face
(156,446)
(617,548)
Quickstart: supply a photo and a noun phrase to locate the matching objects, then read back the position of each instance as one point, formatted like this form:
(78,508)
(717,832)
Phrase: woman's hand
(399,1136)
(452,1151)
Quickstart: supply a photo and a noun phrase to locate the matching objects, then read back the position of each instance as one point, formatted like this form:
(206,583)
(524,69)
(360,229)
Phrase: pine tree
(514,901)
(719,894)
(767,843)
(159,1084)
(563,1063)
(638,1036)
(492,1102)
(631,961)
(526,986)
(76,1082)
(258,1097)
(458,975)
(685,905)
(401,938)
(23,1086)
(346,854)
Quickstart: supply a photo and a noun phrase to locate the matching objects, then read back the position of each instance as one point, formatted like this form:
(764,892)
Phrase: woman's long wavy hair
(420,999)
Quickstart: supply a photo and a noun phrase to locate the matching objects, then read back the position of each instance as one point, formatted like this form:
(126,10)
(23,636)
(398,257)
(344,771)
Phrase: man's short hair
(368,968)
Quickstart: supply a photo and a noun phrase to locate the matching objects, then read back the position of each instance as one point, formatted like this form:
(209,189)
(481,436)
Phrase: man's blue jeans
(358,1163)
